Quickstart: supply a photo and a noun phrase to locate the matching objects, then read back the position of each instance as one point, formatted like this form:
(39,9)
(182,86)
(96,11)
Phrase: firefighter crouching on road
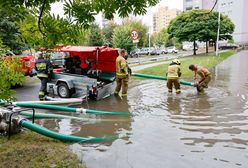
(122,75)
(44,69)
(205,77)
(173,74)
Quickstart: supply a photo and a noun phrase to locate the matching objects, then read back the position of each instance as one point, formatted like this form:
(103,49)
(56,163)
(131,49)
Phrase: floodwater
(186,130)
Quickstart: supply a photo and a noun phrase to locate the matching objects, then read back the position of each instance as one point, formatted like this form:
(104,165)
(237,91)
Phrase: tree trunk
(206,46)
(194,47)
(214,45)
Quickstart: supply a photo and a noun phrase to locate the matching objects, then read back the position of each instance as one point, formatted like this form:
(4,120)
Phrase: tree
(121,38)
(9,31)
(83,11)
(95,36)
(141,28)
(200,25)
(121,35)
(161,38)
(10,74)
(56,30)
(108,33)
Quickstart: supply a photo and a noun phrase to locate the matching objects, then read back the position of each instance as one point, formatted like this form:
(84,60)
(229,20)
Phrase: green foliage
(141,28)
(161,38)
(95,36)
(9,31)
(83,11)
(11,74)
(200,25)
(108,33)
(121,35)
(230,41)
(56,30)
(121,38)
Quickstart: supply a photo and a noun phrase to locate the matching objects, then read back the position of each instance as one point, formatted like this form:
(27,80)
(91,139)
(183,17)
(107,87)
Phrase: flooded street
(186,130)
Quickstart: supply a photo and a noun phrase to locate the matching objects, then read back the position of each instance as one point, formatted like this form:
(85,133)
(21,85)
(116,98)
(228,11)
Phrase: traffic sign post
(134,34)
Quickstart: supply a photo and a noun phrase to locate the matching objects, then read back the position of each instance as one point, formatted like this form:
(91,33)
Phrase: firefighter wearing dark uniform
(205,77)
(173,74)
(122,76)
(43,68)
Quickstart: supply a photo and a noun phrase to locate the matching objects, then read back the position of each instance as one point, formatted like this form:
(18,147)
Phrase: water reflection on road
(187,130)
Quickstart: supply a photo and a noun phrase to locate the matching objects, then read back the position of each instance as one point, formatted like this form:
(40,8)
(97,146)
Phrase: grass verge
(207,61)
(28,149)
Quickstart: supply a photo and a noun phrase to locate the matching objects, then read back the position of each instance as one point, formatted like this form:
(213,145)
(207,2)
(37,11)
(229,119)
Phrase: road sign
(136,41)
(134,35)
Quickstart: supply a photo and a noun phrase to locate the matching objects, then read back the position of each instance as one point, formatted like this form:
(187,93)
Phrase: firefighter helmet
(176,61)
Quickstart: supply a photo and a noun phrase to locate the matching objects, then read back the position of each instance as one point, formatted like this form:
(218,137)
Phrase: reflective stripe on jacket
(42,67)
(173,71)
(121,67)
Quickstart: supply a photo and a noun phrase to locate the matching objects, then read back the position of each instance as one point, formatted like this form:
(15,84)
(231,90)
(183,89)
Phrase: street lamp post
(149,37)
(218,31)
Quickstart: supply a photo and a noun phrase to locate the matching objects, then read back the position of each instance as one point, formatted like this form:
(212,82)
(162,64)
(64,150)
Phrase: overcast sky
(57,8)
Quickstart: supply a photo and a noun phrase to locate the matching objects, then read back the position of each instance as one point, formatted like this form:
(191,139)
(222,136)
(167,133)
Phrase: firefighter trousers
(204,84)
(121,84)
(43,88)
(175,82)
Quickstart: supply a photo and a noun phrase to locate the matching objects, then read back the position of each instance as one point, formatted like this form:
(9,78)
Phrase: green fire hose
(69,109)
(55,116)
(46,132)
(160,78)
(59,116)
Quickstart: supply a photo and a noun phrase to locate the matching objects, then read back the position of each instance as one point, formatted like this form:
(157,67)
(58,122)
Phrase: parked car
(188,47)
(57,58)
(143,51)
(134,53)
(172,49)
(162,51)
(153,51)
(137,52)
(27,62)
(228,46)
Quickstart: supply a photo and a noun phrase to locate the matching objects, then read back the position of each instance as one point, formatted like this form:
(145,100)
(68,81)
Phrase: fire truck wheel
(63,90)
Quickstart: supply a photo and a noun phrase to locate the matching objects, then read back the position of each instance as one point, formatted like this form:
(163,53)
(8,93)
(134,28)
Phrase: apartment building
(162,18)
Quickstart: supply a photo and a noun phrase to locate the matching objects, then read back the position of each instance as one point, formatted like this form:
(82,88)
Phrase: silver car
(58,58)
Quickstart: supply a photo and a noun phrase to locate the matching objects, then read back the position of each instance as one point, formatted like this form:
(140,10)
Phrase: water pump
(9,122)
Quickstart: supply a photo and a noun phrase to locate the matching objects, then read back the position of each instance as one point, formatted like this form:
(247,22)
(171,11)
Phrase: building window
(197,7)
(188,0)
(189,8)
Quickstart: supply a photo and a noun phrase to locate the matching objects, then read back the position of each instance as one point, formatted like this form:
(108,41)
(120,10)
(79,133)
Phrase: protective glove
(196,84)
(179,74)
(129,71)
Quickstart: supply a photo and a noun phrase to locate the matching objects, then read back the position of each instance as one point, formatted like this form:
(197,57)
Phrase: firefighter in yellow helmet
(173,74)
(122,75)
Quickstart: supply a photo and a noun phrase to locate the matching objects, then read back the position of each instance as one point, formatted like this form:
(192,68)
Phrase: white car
(172,49)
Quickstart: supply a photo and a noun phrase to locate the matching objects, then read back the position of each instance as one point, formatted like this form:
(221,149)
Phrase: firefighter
(122,75)
(205,77)
(173,74)
(44,69)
